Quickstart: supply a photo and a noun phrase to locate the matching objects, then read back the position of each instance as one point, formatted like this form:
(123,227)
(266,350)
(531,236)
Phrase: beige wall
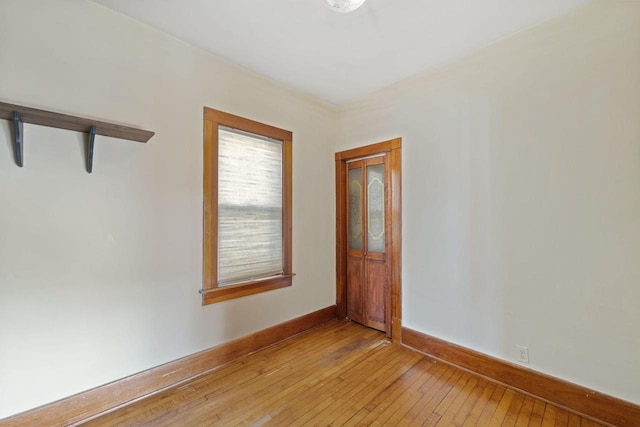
(99,274)
(521,195)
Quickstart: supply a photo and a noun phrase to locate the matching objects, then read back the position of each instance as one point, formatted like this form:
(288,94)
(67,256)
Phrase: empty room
(320,212)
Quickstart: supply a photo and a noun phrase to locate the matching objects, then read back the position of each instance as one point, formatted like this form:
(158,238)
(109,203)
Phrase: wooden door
(368,225)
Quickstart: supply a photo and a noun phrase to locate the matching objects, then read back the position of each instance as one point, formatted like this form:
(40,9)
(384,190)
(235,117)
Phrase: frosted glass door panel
(355,209)
(375,208)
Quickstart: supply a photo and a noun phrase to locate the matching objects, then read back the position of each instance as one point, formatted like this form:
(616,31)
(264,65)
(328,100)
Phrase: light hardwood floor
(340,374)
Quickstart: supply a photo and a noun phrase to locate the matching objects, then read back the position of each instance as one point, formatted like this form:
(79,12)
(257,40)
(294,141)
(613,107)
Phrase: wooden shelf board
(74,123)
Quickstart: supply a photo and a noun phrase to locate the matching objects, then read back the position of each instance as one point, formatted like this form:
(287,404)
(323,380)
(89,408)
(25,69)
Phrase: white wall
(99,274)
(521,197)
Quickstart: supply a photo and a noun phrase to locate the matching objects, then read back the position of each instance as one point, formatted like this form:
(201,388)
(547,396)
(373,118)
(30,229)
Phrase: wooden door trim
(370,150)
(392,147)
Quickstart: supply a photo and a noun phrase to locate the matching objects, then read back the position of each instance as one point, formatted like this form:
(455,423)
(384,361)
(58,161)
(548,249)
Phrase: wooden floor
(340,374)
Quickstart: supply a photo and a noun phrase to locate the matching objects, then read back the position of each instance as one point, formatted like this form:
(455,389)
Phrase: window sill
(213,295)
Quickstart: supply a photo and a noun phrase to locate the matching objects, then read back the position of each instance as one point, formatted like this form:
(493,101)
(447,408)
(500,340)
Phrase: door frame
(393,294)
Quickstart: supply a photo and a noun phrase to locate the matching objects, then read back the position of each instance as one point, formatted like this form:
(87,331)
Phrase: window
(247,207)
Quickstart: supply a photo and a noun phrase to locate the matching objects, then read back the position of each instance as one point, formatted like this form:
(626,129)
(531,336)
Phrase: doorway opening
(369,236)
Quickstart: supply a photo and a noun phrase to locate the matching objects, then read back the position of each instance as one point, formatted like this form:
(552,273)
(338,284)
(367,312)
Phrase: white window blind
(249,206)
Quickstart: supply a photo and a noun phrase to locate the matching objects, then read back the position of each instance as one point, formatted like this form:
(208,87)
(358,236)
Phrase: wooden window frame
(211,292)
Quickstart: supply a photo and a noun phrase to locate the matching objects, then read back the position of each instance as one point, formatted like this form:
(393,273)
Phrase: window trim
(210,291)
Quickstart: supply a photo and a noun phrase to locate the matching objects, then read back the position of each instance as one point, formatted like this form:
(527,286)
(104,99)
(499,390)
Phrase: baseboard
(87,404)
(563,393)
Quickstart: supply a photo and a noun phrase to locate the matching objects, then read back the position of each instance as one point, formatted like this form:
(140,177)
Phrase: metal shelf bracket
(92,137)
(18,138)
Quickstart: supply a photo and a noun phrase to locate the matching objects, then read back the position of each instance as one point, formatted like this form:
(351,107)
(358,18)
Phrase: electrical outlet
(523,354)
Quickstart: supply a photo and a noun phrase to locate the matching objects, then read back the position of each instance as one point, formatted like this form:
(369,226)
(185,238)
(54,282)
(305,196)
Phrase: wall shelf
(19,114)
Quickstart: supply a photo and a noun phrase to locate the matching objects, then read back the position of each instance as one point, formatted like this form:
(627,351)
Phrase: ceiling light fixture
(344,6)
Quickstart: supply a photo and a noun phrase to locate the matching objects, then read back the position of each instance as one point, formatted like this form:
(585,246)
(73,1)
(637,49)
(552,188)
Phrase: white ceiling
(340,57)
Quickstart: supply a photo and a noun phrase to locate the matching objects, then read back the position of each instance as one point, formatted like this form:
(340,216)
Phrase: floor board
(339,374)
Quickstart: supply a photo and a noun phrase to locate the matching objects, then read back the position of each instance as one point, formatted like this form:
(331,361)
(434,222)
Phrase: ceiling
(340,57)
